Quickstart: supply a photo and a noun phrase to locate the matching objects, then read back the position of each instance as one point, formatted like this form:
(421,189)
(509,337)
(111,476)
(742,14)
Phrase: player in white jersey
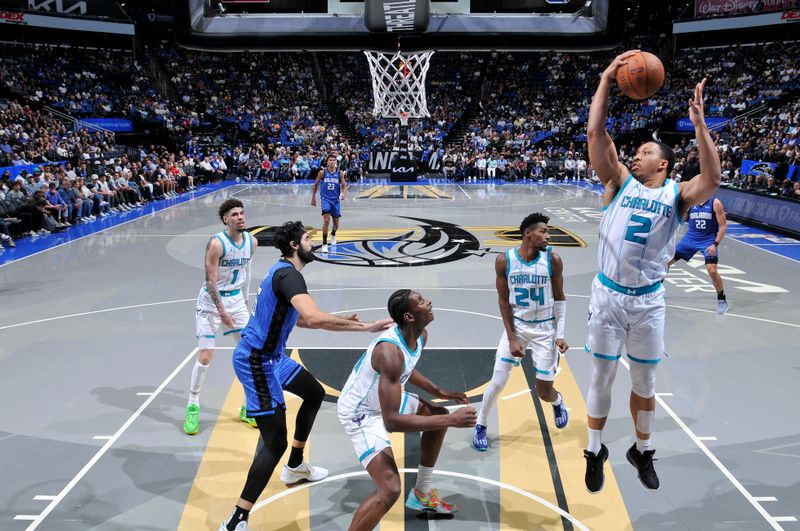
(530,291)
(373,403)
(222,299)
(642,210)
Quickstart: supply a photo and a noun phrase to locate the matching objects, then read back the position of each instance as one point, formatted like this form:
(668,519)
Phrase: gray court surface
(96,339)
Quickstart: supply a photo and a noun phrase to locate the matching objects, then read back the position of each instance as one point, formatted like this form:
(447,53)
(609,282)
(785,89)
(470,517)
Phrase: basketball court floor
(97,342)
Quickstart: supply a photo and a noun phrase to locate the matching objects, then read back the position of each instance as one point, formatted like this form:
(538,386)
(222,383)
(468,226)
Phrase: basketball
(641,77)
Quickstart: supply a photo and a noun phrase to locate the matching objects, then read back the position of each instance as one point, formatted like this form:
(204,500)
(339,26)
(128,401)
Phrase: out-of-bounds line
(722,468)
(74,481)
(140,215)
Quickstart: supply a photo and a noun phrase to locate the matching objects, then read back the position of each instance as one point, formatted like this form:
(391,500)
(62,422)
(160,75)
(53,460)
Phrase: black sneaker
(643,461)
(595,477)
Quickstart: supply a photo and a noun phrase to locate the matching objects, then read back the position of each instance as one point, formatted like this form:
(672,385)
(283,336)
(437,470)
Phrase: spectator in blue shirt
(58,208)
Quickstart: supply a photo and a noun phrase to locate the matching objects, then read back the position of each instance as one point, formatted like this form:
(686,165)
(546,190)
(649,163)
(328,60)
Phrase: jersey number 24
(522,295)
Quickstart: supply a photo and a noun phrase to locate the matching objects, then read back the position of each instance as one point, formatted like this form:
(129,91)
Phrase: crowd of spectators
(263,117)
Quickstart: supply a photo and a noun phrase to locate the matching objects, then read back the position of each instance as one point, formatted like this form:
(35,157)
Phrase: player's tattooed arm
(213,252)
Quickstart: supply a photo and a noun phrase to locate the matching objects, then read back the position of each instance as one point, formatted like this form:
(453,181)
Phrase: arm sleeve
(287,283)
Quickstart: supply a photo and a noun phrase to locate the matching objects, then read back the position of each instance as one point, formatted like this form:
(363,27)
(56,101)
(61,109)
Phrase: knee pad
(643,379)
(598,403)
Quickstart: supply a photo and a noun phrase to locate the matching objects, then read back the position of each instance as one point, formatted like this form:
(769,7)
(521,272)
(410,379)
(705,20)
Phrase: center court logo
(429,242)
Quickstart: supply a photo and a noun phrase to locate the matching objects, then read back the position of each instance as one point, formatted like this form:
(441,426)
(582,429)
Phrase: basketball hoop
(398,84)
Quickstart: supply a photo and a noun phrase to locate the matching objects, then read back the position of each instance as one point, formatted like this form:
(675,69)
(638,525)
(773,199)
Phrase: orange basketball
(641,77)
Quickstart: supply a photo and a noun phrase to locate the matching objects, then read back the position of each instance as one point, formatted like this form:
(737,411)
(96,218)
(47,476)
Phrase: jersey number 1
(639,225)
(522,295)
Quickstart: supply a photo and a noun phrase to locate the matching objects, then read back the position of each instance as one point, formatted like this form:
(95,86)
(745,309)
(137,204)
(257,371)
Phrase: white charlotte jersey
(530,290)
(232,265)
(360,392)
(637,233)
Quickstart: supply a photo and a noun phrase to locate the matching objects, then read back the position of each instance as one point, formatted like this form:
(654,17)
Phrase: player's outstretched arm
(388,361)
(602,151)
(703,186)
(312,317)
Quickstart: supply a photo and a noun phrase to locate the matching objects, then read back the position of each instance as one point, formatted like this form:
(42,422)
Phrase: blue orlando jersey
(272,319)
(703,222)
(331,185)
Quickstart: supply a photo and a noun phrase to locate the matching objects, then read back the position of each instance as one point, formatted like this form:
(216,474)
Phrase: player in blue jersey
(264,369)
(707,227)
(642,210)
(331,195)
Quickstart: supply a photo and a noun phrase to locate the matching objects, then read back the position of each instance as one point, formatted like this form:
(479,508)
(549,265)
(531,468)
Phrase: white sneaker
(333,240)
(722,307)
(323,249)
(304,471)
(241,526)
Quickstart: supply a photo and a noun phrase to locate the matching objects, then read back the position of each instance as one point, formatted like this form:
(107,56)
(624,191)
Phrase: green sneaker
(244,418)
(192,422)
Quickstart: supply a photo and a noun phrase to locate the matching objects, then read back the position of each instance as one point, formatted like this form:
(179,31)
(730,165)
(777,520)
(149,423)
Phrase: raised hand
(610,73)
(696,105)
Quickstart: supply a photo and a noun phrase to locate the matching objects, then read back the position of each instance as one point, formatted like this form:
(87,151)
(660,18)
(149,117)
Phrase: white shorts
(540,338)
(635,321)
(207,321)
(369,435)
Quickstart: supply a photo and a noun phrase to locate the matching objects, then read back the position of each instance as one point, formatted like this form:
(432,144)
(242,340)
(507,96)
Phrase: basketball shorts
(286,369)
(687,248)
(207,321)
(259,377)
(332,207)
(367,432)
(633,321)
(540,338)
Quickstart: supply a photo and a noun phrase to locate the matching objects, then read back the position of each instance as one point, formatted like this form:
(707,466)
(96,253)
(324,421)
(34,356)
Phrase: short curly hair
(227,206)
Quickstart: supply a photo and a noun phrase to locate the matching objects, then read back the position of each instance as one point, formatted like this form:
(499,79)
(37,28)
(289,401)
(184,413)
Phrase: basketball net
(398,84)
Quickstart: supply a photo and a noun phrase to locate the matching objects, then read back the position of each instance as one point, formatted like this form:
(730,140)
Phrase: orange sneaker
(419,502)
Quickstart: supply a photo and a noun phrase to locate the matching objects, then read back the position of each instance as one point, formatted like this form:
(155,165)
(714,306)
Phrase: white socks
(198,376)
(496,386)
(642,445)
(557,401)
(424,479)
(594,441)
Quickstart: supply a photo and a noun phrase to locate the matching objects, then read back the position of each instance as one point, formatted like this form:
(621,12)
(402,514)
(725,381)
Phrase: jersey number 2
(521,295)
(639,225)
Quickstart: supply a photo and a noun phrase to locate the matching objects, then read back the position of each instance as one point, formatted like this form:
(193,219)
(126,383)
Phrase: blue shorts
(332,207)
(687,248)
(264,383)
(259,377)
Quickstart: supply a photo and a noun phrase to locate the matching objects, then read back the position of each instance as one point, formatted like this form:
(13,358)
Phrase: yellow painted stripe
(568,445)
(523,462)
(223,471)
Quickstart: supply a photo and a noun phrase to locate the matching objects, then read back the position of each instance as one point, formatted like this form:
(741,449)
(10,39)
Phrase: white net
(398,83)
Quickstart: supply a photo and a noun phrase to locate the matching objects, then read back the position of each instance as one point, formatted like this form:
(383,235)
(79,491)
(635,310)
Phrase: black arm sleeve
(288,282)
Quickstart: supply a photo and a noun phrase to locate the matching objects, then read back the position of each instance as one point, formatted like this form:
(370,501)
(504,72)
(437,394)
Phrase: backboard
(469,25)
